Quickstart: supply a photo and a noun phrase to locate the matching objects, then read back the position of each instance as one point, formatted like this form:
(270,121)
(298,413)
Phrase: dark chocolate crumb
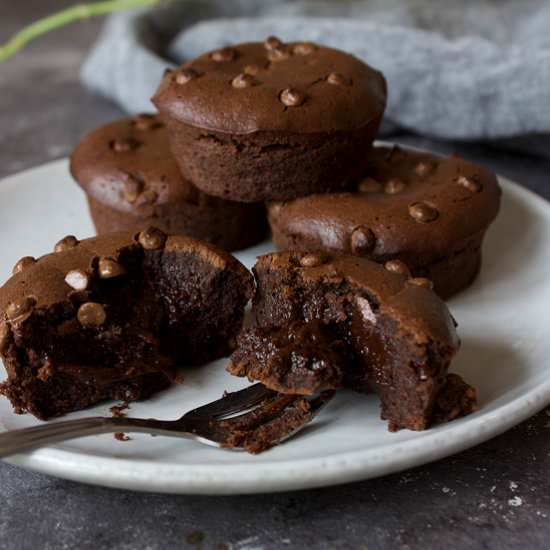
(118,410)
(196,537)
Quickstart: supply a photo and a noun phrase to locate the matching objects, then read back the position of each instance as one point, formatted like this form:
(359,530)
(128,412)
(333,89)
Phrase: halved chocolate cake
(327,320)
(114,316)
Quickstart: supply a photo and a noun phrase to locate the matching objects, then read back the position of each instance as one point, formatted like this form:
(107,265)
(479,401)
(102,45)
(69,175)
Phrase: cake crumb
(118,410)
(121,436)
(45,372)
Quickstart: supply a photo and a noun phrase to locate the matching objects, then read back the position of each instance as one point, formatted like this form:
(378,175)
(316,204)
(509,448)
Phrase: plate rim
(273,477)
(294,474)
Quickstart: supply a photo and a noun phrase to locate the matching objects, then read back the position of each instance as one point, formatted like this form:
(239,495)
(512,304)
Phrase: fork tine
(233,402)
(267,409)
(317,403)
(275,420)
(275,404)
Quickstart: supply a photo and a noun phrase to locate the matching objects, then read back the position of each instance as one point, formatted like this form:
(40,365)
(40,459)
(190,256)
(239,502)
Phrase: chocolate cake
(271,121)
(131,181)
(427,211)
(327,320)
(113,317)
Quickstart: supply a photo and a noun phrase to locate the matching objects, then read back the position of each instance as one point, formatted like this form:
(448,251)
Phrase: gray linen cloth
(470,70)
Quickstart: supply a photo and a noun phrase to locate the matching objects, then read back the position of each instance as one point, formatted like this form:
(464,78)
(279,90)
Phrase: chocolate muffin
(114,316)
(271,121)
(328,320)
(429,212)
(131,181)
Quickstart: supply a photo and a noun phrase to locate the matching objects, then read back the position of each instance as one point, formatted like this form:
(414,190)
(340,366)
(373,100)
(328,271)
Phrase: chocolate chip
(251,69)
(226,54)
(147,198)
(22,264)
(362,240)
(278,54)
(369,185)
(183,76)
(152,238)
(394,186)
(304,48)
(338,79)
(124,145)
(132,189)
(468,183)
(243,80)
(78,279)
(91,314)
(109,268)
(272,42)
(5,334)
(423,212)
(292,98)
(420,281)
(422,169)
(146,122)
(313,259)
(68,242)
(398,267)
(20,307)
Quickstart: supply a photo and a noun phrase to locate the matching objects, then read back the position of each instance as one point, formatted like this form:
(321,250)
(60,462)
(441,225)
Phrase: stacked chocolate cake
(371,238)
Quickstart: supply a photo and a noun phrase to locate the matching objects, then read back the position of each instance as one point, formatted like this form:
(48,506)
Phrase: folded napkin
(475,69)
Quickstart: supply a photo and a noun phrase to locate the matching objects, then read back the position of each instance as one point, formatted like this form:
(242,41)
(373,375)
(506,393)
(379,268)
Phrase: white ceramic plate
(504,319)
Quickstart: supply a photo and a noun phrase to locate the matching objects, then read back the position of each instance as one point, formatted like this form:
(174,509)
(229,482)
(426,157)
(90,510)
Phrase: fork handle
(15,441)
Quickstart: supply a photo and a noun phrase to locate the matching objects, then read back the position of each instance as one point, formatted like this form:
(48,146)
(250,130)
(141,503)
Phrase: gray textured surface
(489,60)
(495,496)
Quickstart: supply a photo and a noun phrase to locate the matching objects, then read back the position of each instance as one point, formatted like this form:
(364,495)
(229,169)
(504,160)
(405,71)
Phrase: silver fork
(241,420)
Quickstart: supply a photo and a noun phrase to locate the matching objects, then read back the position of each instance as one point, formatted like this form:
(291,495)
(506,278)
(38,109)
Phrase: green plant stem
(65,17)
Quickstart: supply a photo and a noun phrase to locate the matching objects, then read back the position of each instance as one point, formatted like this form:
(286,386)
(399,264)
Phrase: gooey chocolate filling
(167,309)
(338,337)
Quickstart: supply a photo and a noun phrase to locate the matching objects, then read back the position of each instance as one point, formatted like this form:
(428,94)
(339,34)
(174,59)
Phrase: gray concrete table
(496,495)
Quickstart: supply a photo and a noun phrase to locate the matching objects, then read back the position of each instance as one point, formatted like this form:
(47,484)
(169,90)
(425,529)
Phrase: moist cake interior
(169,309)
(339,338)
